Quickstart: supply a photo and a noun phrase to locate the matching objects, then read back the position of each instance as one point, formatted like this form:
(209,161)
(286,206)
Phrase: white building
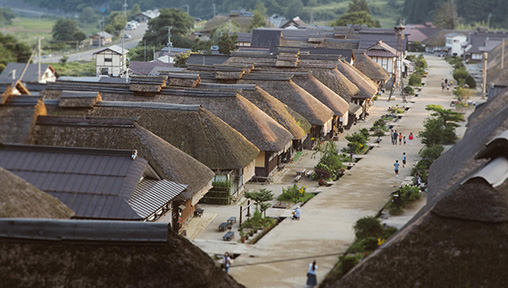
(111,61)
(454,42)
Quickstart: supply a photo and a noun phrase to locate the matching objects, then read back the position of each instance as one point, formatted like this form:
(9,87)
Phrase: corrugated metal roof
(83,230)
(150,195)
(94,183)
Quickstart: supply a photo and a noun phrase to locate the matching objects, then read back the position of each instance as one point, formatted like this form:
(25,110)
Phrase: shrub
(368,227)
(460,75)
(415,80)
(378,132)
(364,245)
(365,133)
(409,90)
(388,232)
(293,194)
(470,82)
(357,141)
(407,195)
(431,152)
(321,173)
(347,263)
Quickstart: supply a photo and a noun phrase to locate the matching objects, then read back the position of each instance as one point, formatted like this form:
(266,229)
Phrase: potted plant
(242,235)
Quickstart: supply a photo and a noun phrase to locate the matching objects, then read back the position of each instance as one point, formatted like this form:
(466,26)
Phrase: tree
(87,15)
(115,22)
(12,50)
(450,118)
(446,16)
(202,46)
(260,196)
(6,16)
(133,11)
(180,22)
(66,30)
(358,18)
(257,21)
(358,5)
(181,59)
(227,43)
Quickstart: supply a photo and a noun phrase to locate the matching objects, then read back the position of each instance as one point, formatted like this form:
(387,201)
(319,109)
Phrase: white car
(127,36)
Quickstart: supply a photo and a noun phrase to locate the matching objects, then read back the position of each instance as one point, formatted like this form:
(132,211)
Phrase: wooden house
(111,61)
(101,39)
(95,183)
(13,72)
(367,87)
(371,69)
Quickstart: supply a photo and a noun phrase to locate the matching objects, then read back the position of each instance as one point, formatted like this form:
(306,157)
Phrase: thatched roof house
(367,87)
(99,184)
(20,199)
(102,253)
(17,118)
(370,68)
(458,239)
(488,120)
(114,133)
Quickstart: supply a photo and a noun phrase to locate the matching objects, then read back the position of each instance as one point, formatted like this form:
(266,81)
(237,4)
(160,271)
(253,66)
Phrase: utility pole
(502,55)
(398,62)
(484,89)
(144,51)
(39,56)
(213,5)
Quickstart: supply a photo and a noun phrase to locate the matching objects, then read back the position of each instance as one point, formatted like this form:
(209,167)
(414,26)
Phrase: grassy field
(28,29)
(75,68)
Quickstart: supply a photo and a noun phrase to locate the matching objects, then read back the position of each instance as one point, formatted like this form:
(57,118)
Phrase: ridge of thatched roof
(238,112)
(181,79)
(367,87)
(20,199)
(294,97)
(370,68)
(147,84)
(79,98)
(112,264)
(488,121)
(336,81)
(113,133)
(324,94)
(18,120)
(191,128)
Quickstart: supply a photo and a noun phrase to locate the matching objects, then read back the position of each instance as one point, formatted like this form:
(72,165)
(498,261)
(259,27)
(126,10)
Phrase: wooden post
(502,55)
(485,58)
(240,216)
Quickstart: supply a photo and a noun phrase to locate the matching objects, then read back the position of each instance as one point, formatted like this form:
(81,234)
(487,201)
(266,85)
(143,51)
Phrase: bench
(297,178)
(223,226)
(232,220)
(309,173)
(199,212)
(300,172)
(228,236)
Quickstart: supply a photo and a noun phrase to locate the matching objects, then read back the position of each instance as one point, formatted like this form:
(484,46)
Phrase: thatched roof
(370,68)
(336,81)
(496,75)
(280,112)
(489,119)
(94,263)
(17,119)
(458,242)
(85,99)
(238,112)
(367,87)
(291,94)
(332,100)
(114,133)
(20,199)
(192,129)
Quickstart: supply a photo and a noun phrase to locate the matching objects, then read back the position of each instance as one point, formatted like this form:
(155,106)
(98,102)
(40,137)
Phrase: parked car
(127,36)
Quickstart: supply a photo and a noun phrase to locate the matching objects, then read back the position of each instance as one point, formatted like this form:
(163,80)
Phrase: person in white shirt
(311,275)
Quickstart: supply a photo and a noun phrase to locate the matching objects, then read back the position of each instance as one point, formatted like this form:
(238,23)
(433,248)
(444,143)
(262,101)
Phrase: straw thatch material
(20,199)
(147,84)
(176,263)
(17,121)
(6,92)
(367,87)
(169,162)
(370,68)
(197,132)
(439,249)
(184,80)
(293,96)
(336,81)
(280,112)
(332,100)
(81,99)
(489,120)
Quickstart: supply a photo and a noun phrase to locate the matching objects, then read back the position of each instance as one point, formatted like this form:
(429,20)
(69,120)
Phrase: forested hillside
(469,11)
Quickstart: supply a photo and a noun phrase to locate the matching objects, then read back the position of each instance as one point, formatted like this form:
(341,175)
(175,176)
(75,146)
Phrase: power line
(288,260)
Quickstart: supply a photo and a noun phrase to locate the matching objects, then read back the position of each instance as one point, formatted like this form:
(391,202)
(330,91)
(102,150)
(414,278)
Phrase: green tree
(358,5)
(446,16)
(180,22)
(65,30)
(257,21)
(12,50)
(115,22)
(227,43)
(202,46)
(133,11)
(87,16)
(359,18)
(6,16)
(260,196)
(181,59)
(450,118)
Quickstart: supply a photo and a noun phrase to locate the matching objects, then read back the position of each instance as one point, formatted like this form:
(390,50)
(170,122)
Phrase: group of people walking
(397,136)
(446,84)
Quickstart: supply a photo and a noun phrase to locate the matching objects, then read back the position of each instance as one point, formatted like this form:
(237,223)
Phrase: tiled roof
(150,195)
(31,74)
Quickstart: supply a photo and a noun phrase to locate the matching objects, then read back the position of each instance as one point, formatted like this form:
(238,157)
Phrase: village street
(281,258)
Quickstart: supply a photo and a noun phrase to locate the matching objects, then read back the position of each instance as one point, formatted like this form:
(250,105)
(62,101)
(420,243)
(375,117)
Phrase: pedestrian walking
(404,160)
(442,85)
(410,137)
(395,136)
(226,262)
(404,139)
(311,275)
(391,135)
(396,165)
(400,139)
(351,158)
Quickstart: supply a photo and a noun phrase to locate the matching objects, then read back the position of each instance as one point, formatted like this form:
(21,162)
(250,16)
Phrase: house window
(108,60)
(104,71)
